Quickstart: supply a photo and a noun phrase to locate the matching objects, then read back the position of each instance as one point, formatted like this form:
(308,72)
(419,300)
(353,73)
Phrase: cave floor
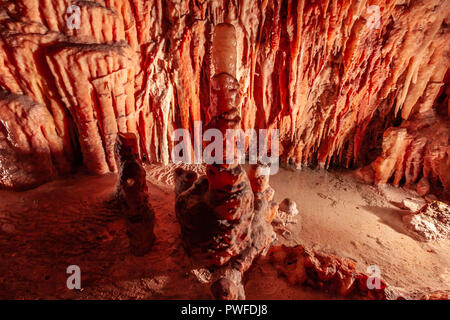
(65,222)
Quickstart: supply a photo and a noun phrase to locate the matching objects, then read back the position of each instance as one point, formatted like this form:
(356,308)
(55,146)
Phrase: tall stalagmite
(219,224)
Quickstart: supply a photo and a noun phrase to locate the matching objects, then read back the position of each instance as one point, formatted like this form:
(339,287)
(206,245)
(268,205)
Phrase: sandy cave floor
(65,222)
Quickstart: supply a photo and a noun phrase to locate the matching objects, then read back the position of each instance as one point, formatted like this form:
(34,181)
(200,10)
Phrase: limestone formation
(132,195)
(341,90)
(339,276)
(412,205)
(431,222)
(287,212)
(225,216)
(224,289)
(415,153)
(31,151)
(325,271)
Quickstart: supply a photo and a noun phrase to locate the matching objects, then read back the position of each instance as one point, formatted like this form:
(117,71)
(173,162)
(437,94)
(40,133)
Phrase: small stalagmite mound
(224,289)
(287,212)
(289,206)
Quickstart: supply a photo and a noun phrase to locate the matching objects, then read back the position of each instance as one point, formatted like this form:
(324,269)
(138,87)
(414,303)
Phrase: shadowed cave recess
(92,94)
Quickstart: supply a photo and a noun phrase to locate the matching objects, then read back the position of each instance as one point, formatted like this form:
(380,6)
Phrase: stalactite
(318,71)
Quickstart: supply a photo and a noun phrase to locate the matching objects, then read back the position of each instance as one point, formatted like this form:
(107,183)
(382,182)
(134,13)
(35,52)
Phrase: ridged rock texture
(333,78)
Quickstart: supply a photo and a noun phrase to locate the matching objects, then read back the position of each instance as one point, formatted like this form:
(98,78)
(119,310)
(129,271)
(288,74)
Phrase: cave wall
(322,72)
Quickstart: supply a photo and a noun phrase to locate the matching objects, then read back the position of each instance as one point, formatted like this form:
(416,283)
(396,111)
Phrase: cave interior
(117,180)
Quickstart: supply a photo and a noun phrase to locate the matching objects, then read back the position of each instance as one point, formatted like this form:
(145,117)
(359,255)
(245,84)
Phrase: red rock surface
(339,276)
(31,151)
(319,71)
(324,271)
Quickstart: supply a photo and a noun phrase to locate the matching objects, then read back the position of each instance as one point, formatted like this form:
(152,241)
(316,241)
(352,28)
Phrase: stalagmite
(116,122)
(132,195)
(219,222)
